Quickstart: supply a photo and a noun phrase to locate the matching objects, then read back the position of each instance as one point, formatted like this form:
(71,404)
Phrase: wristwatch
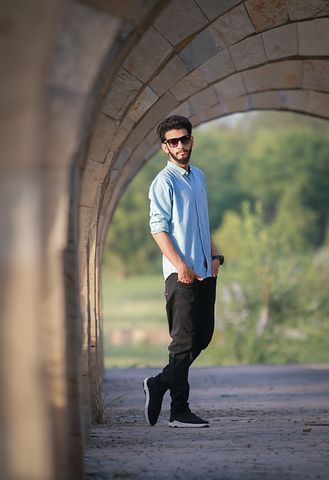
(218,257)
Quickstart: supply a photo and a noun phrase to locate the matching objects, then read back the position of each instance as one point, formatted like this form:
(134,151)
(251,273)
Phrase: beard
(182,160)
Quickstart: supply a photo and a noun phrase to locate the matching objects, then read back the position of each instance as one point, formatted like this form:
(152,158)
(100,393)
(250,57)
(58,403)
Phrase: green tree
(272,296)
(245,316)
(295,160)
(130,248)
(219,153)
(278,159)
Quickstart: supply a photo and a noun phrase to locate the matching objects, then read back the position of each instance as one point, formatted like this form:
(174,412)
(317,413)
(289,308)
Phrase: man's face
(178,144)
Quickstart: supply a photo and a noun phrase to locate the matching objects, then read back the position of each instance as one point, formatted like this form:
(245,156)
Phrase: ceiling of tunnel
(203,59)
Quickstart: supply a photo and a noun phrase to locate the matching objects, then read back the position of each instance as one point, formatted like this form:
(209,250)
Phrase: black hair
(175,122)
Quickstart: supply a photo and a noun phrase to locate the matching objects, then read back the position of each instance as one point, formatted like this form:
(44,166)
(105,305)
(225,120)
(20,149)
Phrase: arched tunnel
(84,84)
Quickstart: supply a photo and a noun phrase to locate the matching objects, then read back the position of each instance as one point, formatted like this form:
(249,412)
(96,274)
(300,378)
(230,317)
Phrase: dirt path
(266,423)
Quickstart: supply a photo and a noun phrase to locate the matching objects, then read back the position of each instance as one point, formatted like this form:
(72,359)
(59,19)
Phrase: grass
(136,332)
(133,302)
(135,323)
(130,305)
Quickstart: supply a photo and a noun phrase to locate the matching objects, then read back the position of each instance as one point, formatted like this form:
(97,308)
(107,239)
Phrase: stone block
(313,37)
(118,189)
(124,89)
(136,135)
(204,99)
(281,42)
(102,136)
(189,85)
(202,47)
(213,9)
(136,161)
(179,20)
(143,102)
(121,134)
(92,178)
(214,112)
(105,209)
(174,71)
(199,118)
(183,109)
(85,214)
(265,100)
(230,87)
(129,171)
(152,139)
(288,74)
(238,104)
(83,41)
(144,60)
(302,9)
(267,14)
(318,104)
(157,112)
(316,75)
(114,176)
(295,100)
(65,112)
(248,53)
(258,79)
(121,159)
(233,26)
(108,159)
(218,67)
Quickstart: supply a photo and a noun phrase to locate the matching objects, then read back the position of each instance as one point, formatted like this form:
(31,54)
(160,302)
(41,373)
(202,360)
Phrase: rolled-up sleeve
(160,196)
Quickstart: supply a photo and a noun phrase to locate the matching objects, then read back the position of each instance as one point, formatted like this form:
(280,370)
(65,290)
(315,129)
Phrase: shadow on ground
(267,422)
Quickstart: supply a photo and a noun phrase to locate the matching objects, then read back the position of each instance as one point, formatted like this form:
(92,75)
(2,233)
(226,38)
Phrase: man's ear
(164,147)
(192,141)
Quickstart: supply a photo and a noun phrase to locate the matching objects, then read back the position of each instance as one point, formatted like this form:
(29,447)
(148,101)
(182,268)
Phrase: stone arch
(114,70)
(229,57)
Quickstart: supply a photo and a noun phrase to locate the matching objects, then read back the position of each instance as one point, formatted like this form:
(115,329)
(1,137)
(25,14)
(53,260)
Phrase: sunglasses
(173,142)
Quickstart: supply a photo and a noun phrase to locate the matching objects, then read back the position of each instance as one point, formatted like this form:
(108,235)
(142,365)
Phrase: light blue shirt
(179,206)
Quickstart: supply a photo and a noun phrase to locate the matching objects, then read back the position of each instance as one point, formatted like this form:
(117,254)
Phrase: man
(179,224)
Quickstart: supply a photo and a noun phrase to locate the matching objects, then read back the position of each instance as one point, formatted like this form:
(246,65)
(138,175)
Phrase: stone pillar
(28,445)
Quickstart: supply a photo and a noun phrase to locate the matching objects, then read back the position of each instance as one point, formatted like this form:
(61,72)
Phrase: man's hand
(215,266)
(187,275)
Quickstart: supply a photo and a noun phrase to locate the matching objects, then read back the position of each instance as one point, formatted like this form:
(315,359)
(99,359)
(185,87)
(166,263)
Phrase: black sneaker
(153,401)
(186,420)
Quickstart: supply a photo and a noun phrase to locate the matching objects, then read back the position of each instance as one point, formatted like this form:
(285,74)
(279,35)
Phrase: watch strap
(218,257)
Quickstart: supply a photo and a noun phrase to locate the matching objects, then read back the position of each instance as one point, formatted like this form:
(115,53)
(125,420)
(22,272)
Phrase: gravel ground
(266,422)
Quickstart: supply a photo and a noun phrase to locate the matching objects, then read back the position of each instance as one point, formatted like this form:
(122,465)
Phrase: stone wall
(83,85)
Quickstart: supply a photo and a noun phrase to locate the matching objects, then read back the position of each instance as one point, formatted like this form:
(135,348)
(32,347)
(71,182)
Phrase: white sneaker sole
(147,400)
(176,424)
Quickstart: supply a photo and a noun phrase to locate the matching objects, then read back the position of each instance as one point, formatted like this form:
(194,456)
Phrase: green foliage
(218,154)
(134,310)
(290,165)
(268,189)
(130,248)
(280,160)
(271,295)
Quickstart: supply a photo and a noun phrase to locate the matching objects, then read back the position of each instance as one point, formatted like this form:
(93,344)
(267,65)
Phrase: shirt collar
(181,170)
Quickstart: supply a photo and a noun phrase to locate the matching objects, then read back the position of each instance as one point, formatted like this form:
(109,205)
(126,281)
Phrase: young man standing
(179,223)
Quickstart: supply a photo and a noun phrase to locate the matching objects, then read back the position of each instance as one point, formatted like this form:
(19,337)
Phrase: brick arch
(82,131)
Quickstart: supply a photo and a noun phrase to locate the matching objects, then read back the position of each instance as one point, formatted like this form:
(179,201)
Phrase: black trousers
(190,313)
